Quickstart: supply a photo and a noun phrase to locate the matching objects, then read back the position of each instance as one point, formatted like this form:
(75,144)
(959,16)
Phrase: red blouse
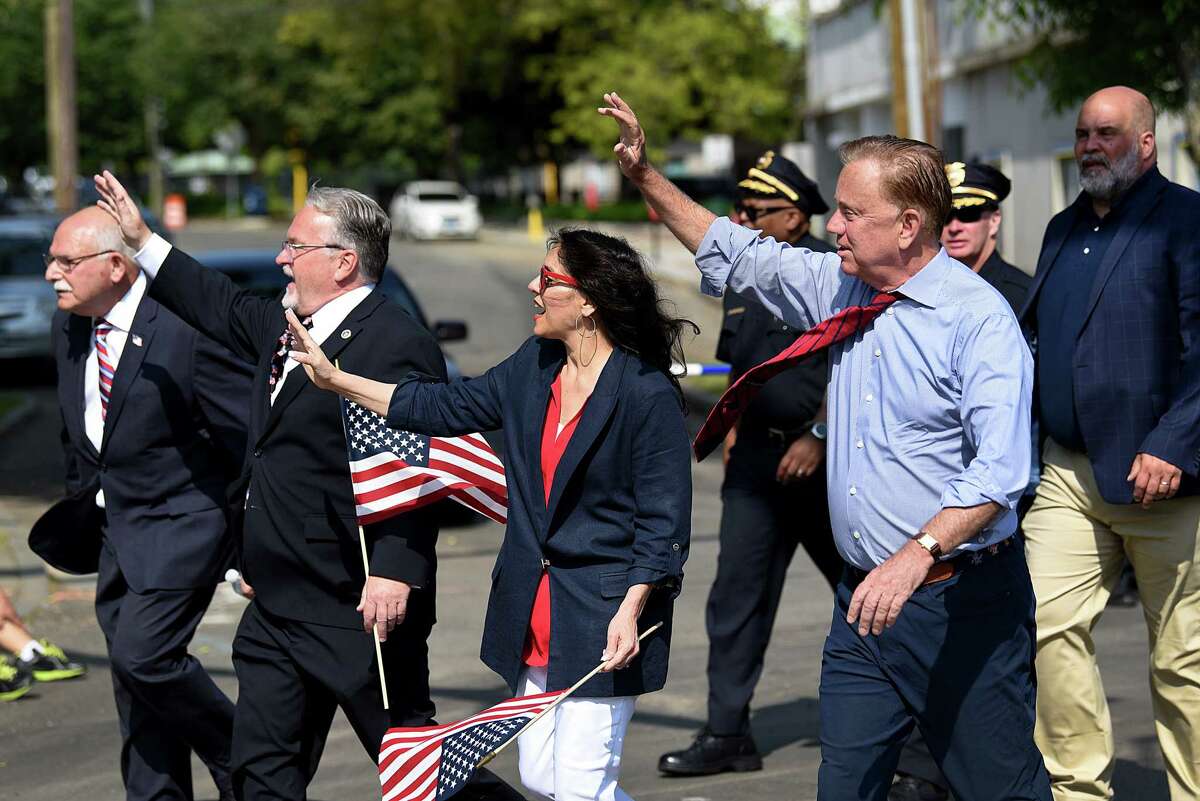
(554,444)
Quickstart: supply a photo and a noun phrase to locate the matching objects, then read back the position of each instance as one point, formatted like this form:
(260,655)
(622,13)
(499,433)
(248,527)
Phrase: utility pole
(62,127)
(908,68)
(151,115)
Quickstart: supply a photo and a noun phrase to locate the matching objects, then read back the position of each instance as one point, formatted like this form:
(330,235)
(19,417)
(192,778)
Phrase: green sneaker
(53,665)
(14,682)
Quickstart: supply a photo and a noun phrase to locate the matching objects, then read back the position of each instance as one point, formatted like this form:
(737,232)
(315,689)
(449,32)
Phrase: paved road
(61,742)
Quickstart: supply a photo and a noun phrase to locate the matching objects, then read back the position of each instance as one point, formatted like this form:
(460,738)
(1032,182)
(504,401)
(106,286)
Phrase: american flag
(397,471)
(435,762)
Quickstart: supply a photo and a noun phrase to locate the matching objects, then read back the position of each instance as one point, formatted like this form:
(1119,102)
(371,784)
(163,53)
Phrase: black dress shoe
(711,753)
(910,788)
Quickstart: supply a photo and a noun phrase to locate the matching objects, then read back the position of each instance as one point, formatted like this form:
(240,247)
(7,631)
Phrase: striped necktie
(842,325)
(104,361)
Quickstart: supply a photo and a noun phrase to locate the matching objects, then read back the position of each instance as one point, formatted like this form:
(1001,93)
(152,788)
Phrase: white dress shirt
(120,317)
(325,320)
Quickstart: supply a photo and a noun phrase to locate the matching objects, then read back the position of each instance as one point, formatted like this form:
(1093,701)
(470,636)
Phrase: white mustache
(62,286)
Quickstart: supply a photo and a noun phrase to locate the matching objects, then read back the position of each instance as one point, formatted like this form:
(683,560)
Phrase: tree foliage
(400,88)
(1083,45)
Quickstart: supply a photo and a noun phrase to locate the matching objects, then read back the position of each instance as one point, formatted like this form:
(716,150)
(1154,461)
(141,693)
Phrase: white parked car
(435,209)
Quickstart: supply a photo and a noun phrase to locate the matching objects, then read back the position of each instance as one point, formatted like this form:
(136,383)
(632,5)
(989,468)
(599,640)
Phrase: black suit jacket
(1137,356)
(299,545)
(173,441)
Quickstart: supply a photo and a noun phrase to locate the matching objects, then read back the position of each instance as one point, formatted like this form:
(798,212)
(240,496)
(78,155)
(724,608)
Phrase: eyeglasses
(972,214)
(67,265)
(552,279)
(292,248)
(752,213)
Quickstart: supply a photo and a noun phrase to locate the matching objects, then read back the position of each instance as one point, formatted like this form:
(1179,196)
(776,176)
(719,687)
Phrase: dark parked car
(257,271)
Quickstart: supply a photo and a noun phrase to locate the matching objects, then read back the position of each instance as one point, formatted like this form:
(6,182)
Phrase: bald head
(1114,142)
(91,267)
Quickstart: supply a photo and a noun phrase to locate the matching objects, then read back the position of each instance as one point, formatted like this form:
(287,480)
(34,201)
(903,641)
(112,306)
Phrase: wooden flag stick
(362,543)
(560,699)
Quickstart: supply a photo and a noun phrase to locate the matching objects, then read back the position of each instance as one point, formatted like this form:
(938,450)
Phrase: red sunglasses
(549,279)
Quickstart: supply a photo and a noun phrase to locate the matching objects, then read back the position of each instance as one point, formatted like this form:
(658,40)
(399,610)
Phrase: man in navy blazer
(153,435)
(1115,311)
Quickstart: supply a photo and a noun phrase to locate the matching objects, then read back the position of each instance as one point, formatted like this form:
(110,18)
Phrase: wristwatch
(819,430)
(926,541)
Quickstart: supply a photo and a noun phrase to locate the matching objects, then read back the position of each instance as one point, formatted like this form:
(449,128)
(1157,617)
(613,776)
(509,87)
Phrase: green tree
(1082,45)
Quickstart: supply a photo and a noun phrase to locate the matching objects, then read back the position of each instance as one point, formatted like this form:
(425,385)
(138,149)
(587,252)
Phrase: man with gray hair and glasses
(303,647)
(928,453)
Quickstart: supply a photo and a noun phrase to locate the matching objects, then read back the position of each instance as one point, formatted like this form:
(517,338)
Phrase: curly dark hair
(613,276)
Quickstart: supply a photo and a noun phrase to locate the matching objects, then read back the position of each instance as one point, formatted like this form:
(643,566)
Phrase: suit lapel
(78,333)
(296,381)
(596,412)
(550,362)
(137,342)
(1135,215)
(1054,243)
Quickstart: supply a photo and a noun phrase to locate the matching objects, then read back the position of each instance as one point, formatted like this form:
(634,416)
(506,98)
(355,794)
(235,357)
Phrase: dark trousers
(762,522)
(167,704)
(958,664)
(293,676)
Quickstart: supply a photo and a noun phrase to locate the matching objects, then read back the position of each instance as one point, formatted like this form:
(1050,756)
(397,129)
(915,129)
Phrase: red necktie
(104,362)
(842,325)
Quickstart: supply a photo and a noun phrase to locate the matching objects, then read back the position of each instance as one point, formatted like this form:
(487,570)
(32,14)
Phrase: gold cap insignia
(765,160)
(956,173)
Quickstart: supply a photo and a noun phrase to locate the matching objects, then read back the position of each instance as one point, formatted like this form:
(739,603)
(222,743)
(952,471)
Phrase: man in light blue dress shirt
(928,454)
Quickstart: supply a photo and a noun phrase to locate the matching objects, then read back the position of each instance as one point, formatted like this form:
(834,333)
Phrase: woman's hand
(623,646)
(309,355)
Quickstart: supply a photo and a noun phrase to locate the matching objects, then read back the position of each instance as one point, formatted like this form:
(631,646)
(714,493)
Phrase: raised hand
(631,150)
(308,353)
(120,206)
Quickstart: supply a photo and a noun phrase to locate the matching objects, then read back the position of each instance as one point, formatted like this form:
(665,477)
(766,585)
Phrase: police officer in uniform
(970,236)
(970,233)
(773,495)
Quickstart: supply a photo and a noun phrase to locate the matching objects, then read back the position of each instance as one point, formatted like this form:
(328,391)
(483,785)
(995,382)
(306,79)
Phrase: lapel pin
(345,333)
(137,341)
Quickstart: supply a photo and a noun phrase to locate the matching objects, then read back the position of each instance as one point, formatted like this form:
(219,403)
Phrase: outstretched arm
(686,218)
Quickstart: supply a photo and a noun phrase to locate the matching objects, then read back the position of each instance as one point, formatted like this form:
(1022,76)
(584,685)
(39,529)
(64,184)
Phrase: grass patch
(9,401)
(710,384)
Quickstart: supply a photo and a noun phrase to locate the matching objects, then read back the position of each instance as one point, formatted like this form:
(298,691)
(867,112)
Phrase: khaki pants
(1075,544)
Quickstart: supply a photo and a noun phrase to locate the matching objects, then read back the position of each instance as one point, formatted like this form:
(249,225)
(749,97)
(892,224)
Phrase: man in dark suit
(773,496)
(301,650)
(1115,308)
(152,435)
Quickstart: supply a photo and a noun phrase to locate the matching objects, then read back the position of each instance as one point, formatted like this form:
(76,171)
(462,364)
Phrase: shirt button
(981,540)
(858,444)
(1087,251)
(891,310)
(1097,228)
(878,352)
(854,490)
(868,397)
(857,536)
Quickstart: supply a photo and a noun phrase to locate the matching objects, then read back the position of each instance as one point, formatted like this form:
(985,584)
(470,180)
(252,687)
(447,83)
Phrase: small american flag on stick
(398,471)
(435,762)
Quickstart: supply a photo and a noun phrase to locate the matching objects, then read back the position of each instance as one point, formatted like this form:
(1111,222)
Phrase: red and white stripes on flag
(435,762)
(397,471)
(104,362)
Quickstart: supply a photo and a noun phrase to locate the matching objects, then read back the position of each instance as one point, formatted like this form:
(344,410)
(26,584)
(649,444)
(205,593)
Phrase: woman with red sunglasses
(599,486)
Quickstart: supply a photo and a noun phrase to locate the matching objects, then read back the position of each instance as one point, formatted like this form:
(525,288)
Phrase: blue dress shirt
(928,406)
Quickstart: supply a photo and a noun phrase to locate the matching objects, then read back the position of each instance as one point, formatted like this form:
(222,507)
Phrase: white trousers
(574,753)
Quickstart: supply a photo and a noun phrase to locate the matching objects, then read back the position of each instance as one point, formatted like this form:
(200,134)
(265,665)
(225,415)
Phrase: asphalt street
(61,741)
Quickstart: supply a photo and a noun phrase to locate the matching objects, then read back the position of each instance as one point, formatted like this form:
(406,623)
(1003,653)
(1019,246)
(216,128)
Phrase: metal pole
(62,127)
(910,22)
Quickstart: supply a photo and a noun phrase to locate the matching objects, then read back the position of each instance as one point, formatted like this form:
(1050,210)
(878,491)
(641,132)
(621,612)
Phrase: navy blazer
(173,443)
(619,512)
(1137,357)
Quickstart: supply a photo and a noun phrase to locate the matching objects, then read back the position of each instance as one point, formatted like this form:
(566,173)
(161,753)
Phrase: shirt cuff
(152,255)
(715,256)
